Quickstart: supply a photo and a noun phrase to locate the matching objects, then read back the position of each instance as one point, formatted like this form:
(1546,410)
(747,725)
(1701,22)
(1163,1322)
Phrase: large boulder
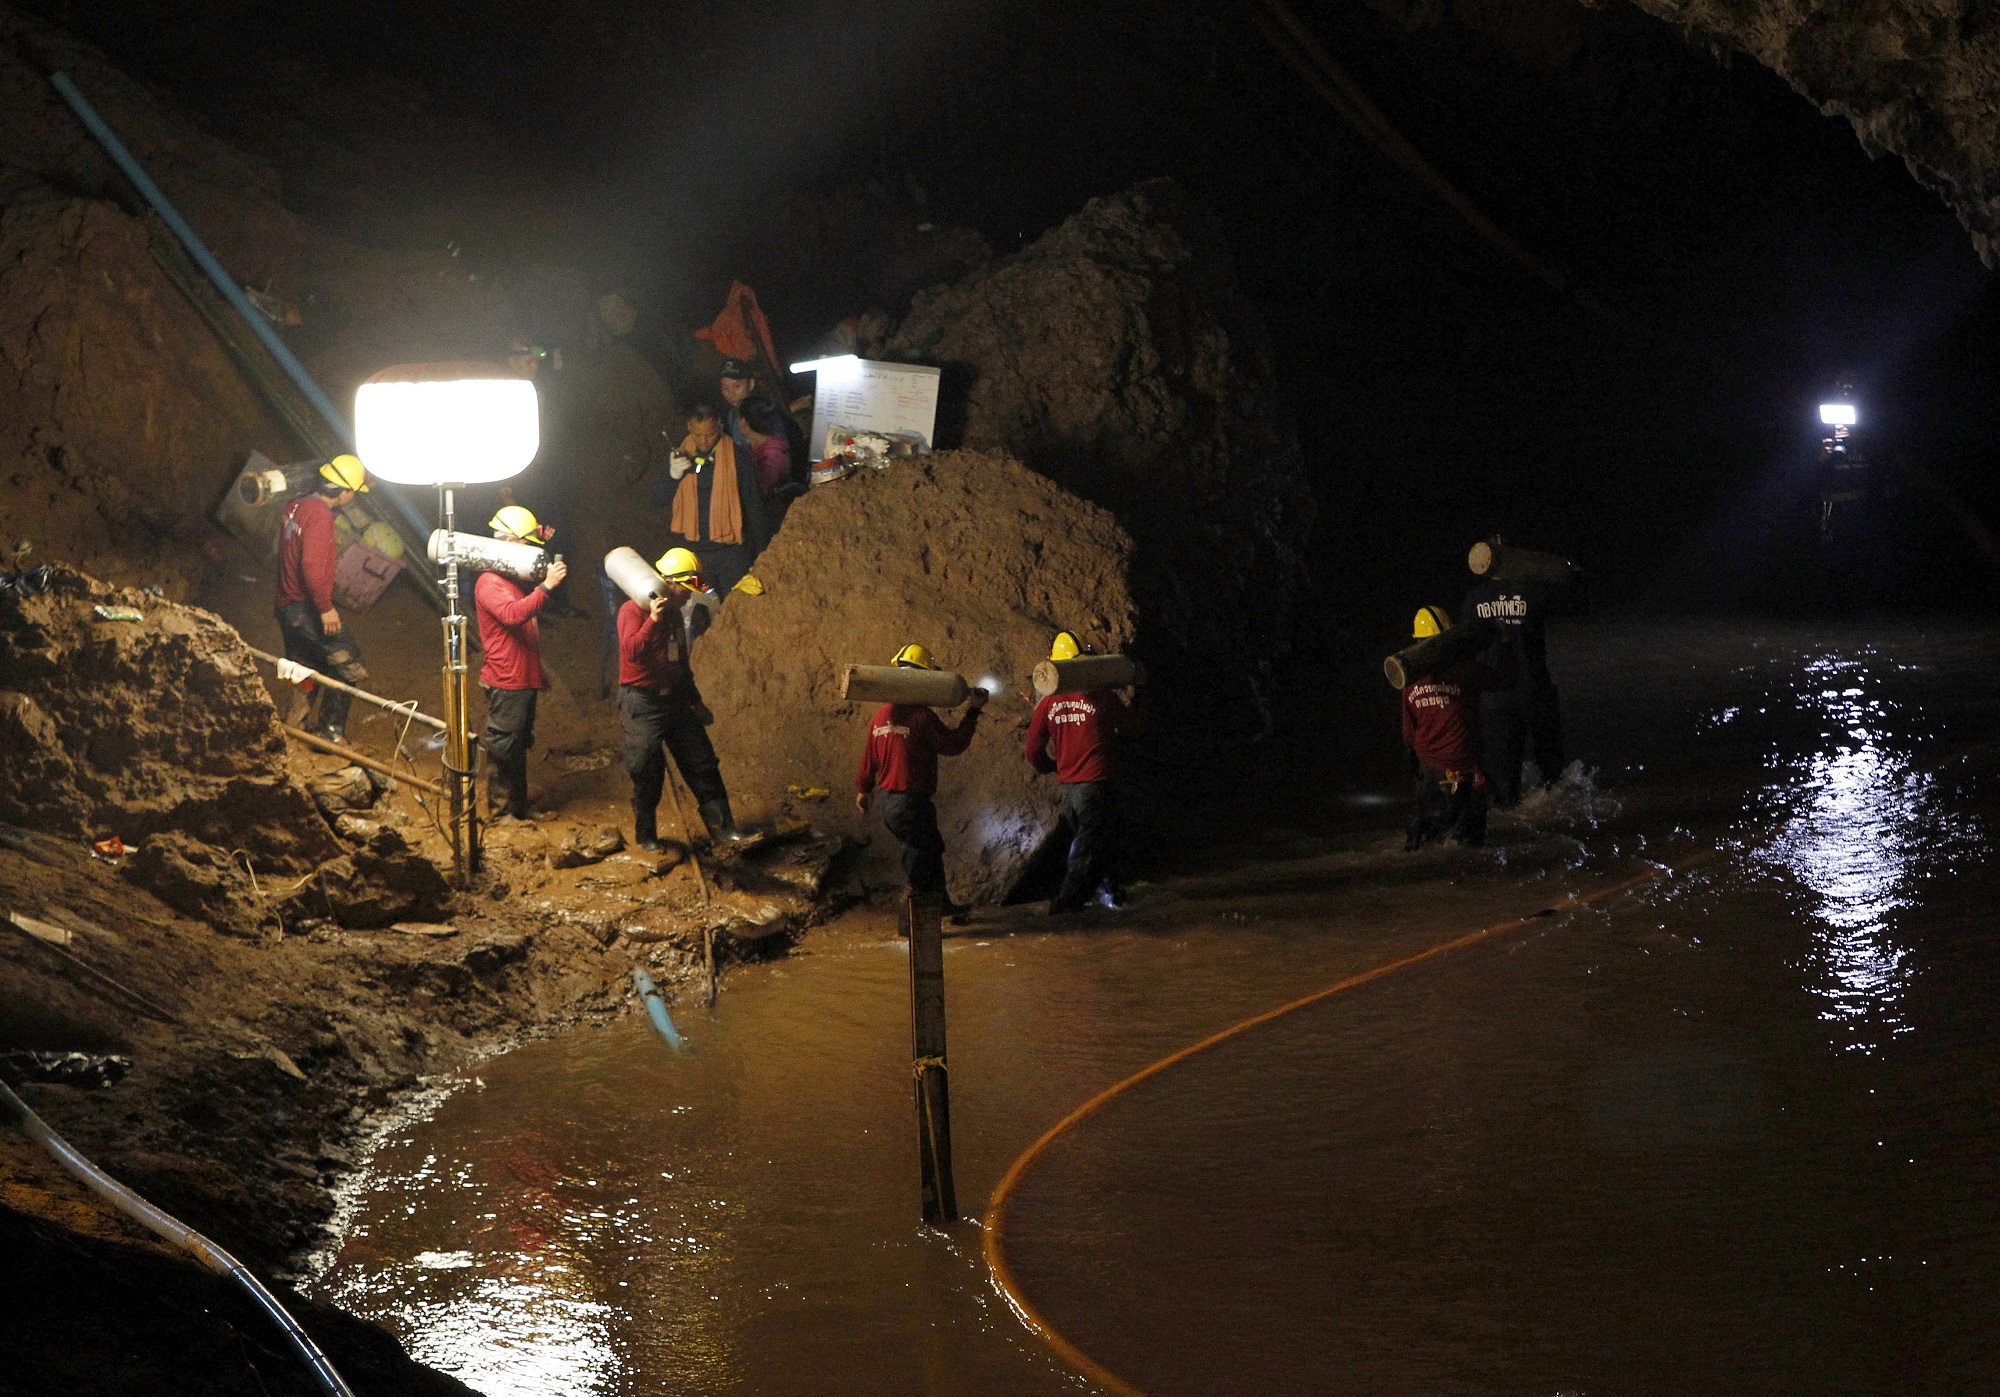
(970,554)
(1116,357)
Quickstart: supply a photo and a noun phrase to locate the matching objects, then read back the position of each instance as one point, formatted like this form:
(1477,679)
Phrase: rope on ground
(995,1221)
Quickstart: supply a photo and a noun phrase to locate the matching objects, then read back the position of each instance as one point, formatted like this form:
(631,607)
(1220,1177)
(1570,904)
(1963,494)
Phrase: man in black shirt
(1526,719)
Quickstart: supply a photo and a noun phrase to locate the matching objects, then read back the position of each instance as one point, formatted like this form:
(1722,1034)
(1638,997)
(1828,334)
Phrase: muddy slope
(1116,356)
(970,554)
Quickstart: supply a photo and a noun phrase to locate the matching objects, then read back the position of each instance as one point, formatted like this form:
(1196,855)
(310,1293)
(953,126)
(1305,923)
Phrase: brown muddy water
(1734,1132)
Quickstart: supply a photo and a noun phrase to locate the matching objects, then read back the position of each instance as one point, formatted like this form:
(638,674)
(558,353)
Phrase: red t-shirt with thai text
(1079,728)
(904,743)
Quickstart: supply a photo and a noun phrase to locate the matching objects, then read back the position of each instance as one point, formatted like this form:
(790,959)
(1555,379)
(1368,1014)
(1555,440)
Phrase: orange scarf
(725,506)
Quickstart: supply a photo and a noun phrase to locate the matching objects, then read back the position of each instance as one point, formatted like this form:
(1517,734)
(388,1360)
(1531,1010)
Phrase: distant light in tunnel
(1837,414)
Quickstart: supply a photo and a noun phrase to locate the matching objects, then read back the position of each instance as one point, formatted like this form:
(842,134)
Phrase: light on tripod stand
(450,425)
(1832,414)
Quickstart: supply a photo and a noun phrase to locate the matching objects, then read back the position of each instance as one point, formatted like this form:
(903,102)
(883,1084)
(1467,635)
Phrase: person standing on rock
(659,708)
(1070,735)
(904,742)
(1441,729)
(313,631)
(512,676)
(717,507)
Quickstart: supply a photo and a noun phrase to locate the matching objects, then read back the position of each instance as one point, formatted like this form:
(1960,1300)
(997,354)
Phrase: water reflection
(515,1313)
(1859,816)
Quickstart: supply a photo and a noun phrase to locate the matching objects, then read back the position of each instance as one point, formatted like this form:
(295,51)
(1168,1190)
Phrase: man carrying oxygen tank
(1441,727)
(659,708)
(1070,735)
(314,633)
(904,742)
(512,675)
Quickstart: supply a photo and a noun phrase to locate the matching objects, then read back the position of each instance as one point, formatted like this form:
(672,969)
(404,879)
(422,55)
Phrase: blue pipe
(224,283)
(656,1008)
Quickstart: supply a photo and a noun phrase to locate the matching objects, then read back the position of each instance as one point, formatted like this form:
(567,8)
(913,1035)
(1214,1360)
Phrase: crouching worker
(512,674)
(904,742)
(1070,735)
(314,634)
(659,708)
(1441,729)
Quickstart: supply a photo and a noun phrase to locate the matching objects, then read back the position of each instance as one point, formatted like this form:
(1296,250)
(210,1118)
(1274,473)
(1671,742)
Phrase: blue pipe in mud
(179,1233)
(656,1008)
(231,292)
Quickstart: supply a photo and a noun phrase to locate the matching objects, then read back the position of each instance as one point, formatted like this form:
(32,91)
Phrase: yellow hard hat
(1431,620)
(677,563)
(517,521)
(1065,647)
(913,657)
(347,472)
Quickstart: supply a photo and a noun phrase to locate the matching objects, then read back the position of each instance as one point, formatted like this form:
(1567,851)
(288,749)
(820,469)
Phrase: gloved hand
(678,465)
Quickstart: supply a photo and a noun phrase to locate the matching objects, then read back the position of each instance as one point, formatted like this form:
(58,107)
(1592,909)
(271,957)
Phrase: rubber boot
(721,824)
(646,830)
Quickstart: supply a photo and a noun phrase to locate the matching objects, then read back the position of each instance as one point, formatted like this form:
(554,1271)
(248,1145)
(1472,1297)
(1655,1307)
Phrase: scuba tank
(524,562)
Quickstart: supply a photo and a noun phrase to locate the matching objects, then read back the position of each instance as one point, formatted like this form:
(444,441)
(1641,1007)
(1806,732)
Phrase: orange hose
(995,1221)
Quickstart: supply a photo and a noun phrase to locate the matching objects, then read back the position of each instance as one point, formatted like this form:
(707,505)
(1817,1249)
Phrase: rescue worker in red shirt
(1070,735)
(512,676)
(659,708)
(314,634)
(1441,729)
(904,742)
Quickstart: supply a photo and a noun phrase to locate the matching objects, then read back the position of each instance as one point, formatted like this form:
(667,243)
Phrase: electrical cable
(994,1224)
(165,1225)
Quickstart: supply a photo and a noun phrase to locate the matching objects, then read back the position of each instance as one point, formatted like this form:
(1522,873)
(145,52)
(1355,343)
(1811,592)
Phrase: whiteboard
(873,395)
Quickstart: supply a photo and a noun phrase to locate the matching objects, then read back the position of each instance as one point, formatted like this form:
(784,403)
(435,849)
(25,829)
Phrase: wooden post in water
(923,919)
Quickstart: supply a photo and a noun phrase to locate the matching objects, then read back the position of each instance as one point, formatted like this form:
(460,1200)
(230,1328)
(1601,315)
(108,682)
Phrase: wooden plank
(923,919)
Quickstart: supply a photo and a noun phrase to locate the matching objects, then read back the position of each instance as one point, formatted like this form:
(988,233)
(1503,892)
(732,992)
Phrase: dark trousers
(1090,812)
(336,655)
(1451,804)
(653,725)
(1517,723)
(913,820)
(1503,727)
(510,732)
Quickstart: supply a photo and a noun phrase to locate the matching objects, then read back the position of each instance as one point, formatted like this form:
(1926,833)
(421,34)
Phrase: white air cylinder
(928,688)
(634,575)
(1085,673)
(523,562)
(1506,563)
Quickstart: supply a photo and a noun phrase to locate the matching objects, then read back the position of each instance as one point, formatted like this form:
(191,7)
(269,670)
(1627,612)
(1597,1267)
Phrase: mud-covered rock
(142,727)
(347,788)
(581,847)
(1115,356)
(974,556)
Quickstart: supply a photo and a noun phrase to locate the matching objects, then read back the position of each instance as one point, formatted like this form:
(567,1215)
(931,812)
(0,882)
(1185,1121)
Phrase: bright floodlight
(1833,414)
(446,424)
(837,361)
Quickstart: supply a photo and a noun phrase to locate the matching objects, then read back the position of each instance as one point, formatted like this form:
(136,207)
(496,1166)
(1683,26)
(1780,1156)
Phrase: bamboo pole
(405,707)
(362,759)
